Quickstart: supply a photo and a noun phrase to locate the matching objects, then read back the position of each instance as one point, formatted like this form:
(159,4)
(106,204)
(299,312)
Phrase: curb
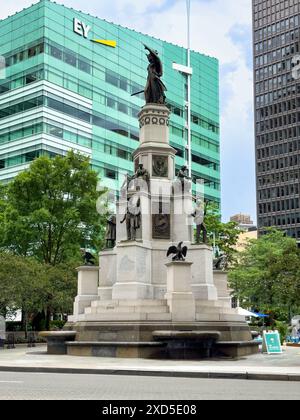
(203,375)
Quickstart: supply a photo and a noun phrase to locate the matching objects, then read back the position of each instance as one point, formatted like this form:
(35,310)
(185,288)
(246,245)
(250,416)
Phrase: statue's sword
(137,93)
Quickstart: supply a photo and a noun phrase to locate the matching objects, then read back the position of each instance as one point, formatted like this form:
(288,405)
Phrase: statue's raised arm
(156,60)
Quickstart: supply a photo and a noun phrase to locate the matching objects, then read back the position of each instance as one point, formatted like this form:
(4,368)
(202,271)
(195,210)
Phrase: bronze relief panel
(160,166)
(161,226)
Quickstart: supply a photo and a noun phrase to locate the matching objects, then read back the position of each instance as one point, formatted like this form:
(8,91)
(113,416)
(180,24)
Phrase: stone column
(182,220)
(87,290)
(221,283)
(179,293)
(107,273)
(202,272)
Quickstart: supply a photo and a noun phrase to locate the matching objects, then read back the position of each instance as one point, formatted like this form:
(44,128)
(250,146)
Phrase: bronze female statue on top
(155,88)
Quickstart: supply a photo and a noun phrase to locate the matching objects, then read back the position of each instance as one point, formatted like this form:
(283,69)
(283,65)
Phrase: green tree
(58,290)
(21,282)
(46,214)
(266,275)
(35,288)
(51,209)
(223,235)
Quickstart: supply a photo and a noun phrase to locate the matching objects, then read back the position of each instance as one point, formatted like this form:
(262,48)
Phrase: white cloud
(214,28)
(10,7)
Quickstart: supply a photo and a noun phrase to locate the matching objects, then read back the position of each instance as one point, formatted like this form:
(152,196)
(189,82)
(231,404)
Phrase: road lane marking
(11,382)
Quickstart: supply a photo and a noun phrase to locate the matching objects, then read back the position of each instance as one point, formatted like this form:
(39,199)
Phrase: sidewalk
(285,367)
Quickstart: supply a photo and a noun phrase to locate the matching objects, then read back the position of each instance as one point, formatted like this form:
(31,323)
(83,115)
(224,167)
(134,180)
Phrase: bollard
(2,343)
(31,339)
(11,341)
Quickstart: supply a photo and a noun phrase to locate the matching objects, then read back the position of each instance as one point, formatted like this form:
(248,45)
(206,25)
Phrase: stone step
(141,309)
(219,317)
(134,316)
(138,302)
(208,303)
(128,309)
(214,310)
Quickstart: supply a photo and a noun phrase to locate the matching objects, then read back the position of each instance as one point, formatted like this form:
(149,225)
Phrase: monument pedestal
(87,289)
(203,286)
(179,293)
(221,282)
(133,272)
(107,274)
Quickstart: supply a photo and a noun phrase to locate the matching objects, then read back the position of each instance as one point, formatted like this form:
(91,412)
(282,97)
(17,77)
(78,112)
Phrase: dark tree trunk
(25,322)
(48,319)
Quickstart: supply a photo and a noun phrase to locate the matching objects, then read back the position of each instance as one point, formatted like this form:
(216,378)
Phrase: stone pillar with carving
(158,158)
(155,157)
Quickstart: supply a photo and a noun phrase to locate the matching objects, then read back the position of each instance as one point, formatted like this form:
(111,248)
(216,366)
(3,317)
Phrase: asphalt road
(43,386)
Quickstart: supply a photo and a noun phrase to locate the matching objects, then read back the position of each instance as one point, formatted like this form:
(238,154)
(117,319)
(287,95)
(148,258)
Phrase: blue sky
(220,28)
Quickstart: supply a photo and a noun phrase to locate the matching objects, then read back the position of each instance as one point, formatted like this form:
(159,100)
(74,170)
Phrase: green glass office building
(64,91)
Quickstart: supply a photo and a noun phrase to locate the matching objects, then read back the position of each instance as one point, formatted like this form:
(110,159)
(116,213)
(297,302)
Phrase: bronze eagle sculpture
(179,252)
(87,257)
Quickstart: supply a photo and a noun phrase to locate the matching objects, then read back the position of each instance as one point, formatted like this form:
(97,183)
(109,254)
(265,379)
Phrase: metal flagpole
(187,71)
(189,136)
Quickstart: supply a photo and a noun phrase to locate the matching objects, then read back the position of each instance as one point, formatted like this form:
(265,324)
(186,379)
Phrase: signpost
(2,331)
(271,342)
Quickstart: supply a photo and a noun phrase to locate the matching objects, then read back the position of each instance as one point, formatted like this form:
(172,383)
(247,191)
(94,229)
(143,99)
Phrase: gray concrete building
(276,44)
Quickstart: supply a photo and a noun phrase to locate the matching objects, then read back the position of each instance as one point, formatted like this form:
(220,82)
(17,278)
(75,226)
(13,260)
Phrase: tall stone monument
(137,291)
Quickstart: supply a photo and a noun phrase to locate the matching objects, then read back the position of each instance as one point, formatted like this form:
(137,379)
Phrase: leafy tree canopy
(50,209)
(266,275)
(225,235)
(35,287)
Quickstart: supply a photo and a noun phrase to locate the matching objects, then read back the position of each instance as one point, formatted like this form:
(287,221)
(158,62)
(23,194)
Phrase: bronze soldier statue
(111,232)
(199,214)
(183,177)
(133,220)
(143,174)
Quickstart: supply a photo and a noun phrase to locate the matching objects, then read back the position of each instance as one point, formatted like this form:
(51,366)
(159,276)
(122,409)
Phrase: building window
(113,80)
(122,108)
(30,78)
(56,52)
(70,58)
(111,103)
(122,154)
(123,83)
(84,66)
(109,173)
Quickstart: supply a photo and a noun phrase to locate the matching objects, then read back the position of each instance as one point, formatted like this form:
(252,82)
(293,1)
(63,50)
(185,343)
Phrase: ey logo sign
(82,29)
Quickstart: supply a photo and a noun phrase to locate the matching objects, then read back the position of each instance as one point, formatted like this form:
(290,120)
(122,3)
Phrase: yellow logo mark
(108,43)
